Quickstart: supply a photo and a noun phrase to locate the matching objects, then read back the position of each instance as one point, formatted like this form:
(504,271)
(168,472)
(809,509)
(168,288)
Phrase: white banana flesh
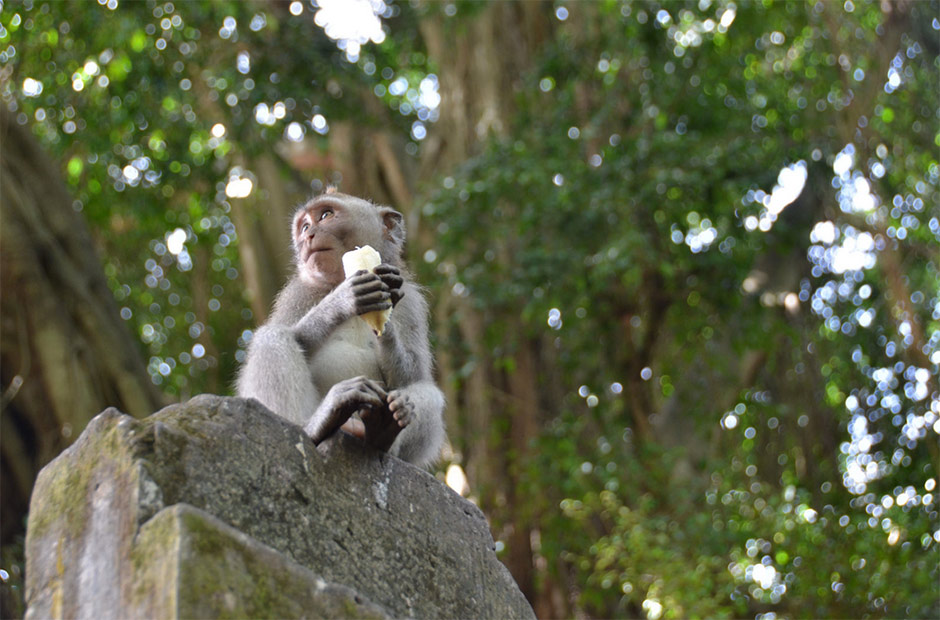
(366,258)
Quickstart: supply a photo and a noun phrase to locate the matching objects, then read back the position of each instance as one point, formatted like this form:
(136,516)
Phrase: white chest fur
(351,351)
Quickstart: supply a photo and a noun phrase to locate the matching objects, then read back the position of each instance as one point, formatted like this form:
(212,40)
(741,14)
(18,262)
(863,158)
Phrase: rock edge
(219,508)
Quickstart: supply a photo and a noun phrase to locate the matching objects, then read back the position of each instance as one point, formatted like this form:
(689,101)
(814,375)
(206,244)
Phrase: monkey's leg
(420,406)
(382,425)
(276,373)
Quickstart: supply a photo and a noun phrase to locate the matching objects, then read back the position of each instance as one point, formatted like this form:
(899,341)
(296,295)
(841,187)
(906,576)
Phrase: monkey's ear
(394,226)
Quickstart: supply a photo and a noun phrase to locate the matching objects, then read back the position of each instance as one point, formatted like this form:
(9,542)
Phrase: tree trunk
(523,392)
(483,60)
(65,353)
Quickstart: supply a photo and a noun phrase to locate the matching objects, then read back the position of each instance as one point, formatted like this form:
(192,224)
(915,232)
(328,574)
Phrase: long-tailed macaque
(316,363)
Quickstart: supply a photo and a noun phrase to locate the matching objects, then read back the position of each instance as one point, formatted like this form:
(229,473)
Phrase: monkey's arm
(414,399)
(363,292)
(277,372)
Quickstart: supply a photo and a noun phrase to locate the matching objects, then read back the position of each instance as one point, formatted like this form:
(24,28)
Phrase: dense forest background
(682,257)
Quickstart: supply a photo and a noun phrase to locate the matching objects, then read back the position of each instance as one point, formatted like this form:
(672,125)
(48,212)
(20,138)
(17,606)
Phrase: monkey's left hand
(393,279)
(382,425)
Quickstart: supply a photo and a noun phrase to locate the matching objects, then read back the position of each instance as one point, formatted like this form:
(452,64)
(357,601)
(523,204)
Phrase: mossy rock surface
(219,508)
(220,572)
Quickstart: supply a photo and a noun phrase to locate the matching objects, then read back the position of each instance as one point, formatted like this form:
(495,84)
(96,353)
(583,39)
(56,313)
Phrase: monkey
(317,364)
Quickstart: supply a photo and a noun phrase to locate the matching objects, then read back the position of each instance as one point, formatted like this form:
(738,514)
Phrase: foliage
(639,198)
(157,110)
(740,392)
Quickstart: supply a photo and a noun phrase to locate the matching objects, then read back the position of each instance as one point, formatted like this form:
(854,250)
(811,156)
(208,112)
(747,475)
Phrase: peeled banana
(368,259)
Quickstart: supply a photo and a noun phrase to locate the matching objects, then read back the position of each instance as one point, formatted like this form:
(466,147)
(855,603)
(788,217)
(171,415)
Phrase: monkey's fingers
(357,393)
(371,297)
(367,279)
(403,417)
(376,387)
(363,400)
(368,283)
(390,275)
(398,398)
(367,306)
(386,268)
(401,407)
(392,278)
(365,394)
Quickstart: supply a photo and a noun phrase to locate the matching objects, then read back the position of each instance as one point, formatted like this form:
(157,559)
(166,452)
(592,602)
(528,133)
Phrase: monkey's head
(332,224)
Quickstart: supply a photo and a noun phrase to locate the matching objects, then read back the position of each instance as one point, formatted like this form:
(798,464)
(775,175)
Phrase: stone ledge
(367,523)
(218,572)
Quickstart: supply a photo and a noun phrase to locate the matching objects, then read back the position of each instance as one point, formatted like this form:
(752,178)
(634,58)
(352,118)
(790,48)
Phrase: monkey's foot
(354,427)
(383,425)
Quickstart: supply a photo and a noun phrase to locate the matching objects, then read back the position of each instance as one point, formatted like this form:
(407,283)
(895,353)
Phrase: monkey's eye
(305,227)
(325,214)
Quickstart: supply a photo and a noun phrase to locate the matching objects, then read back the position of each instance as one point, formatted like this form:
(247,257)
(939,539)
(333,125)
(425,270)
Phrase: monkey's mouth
(314,256)
(309,252)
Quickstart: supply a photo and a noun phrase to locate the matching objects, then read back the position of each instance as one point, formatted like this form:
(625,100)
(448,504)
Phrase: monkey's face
(326,228)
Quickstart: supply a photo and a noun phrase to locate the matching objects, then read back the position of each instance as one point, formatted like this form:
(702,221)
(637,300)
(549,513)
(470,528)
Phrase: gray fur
(313,360)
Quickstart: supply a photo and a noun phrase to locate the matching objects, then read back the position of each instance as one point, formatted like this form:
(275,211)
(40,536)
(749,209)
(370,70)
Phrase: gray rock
(218,571)
(219,508)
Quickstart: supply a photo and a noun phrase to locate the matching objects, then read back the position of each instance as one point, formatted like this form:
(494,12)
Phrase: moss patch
(218,572)
(62,493)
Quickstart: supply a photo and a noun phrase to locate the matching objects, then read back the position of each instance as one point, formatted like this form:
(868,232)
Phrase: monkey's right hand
(344,399)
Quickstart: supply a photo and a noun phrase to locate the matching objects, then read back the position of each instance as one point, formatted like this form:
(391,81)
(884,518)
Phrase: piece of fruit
(368,259)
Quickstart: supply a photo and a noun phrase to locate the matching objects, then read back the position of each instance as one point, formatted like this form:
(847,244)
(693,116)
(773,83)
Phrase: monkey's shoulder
(294,300)
(413,307)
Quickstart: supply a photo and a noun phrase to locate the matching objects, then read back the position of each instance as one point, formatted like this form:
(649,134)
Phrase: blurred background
(682,259)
